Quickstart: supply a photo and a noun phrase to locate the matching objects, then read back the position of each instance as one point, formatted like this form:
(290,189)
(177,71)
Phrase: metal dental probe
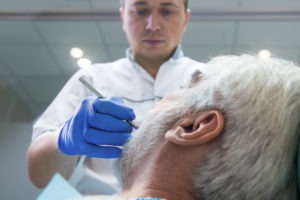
(99,95)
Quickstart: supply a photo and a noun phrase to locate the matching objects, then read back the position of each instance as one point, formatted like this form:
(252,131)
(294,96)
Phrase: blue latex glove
(97,129)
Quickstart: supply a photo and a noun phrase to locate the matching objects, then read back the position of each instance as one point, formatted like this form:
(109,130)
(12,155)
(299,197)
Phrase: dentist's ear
(187,18)
(121,11)
(198,128)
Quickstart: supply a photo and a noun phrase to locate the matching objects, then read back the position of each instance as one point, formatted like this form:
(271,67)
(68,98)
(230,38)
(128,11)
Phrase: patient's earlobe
(200,128)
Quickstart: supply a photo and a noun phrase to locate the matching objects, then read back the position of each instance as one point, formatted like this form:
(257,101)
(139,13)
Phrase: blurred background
(36,38)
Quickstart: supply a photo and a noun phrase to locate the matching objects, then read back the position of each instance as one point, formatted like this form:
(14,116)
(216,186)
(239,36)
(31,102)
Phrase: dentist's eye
(142,12)
(166,12)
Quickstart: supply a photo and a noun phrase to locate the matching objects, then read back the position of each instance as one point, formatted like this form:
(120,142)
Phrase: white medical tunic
(123,78)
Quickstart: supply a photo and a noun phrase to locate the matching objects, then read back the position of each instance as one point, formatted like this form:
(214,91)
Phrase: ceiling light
(84,63)
(264,54)
(76,52)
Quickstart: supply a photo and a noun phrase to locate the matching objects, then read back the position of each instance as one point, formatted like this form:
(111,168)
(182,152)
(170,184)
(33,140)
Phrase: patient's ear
(196,128)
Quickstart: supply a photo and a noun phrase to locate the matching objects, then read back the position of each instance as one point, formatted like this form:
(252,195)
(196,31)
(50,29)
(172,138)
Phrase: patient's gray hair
(255,155)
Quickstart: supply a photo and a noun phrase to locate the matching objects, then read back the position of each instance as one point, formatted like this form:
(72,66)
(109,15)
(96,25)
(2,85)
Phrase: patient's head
(232,135)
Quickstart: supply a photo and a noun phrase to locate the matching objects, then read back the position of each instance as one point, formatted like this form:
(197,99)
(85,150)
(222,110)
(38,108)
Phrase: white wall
(14,182)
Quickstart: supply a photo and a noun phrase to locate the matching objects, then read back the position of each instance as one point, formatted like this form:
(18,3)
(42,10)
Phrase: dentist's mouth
(153,42)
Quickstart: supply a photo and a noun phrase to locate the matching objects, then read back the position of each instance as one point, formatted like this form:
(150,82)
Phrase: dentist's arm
(97,129)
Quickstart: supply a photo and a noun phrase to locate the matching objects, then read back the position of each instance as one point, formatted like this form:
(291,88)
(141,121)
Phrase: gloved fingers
(102,151)
(108,123)
(106,138)
(87,103)
(114,109)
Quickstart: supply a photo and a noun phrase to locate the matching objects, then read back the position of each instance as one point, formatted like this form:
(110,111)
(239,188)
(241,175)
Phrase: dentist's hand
(97,129)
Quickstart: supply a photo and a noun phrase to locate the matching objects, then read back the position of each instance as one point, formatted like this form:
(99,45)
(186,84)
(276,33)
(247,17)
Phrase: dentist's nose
(153,22)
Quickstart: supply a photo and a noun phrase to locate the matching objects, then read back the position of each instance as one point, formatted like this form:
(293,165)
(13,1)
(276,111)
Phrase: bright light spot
(76,52)
(264,54)
(84,63)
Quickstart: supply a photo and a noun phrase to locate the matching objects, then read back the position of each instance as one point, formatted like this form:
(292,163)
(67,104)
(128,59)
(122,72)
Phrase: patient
(232,135)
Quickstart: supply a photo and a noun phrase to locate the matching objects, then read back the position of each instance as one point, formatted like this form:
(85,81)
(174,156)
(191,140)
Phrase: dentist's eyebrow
(140,3)
(167,4)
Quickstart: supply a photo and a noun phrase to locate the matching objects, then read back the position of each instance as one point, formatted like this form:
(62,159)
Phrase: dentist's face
(154,27)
